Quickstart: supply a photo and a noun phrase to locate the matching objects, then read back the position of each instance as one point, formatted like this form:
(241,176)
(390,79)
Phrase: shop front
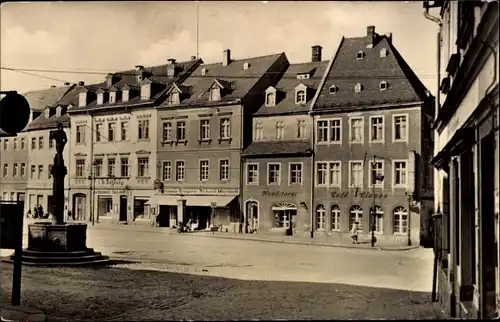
(201,207)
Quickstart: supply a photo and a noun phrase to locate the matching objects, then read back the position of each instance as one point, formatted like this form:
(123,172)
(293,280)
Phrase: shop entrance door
(123,208)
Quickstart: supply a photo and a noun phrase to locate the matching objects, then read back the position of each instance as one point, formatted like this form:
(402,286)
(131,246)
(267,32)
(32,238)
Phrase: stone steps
(76,258)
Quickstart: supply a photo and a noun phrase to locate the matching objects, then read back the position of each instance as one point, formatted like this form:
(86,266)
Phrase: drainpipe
(313,155)
(91,167)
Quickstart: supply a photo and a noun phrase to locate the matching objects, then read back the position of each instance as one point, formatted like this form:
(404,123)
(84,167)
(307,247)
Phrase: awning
(163,200)
(208,201)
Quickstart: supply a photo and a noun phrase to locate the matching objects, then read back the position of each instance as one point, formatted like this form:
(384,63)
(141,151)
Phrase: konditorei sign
(202,191)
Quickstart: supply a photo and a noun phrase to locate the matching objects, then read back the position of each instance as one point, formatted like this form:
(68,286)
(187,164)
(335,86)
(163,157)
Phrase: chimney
(316,53)
(171,61)
(370,33)
(193,57)
(139,69)
(109,80)
(388,35)
(81,83)
(226,57)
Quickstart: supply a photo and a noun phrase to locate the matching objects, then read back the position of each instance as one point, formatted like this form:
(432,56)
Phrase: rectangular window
(321,173)
(15,170)
(111,131)
(295,173)
(322,134)
(124,167)
(252,173)
(143,130)
(5,170)
(33,144)
(356,174)
(181,131)
(6,144)
(280,130)
(33,171)
(40,172)
(335,173)
(124,130)
(23,169)
(301,129)
(224,170)
(80,134)
(40,142)
(98,168)
(111,167)
(377,129)
(273,173)
(204,170)
(335,130)
(225,128)
(204,129)
(15,146)
(400,128)
(259,131)
(98,132)
(376,173)
(400,173)
(167,131)
(329,131)
(356,130)
(142,167)
(49,174)
(23,143)
(180,170)
(167,170)
(51,143)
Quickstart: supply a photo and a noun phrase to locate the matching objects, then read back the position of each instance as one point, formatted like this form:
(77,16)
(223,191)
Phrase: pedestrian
(35,212)
(28,215)
(255,224)
(40,211)
(354,232)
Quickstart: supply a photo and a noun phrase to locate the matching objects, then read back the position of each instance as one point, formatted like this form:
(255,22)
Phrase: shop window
(284,215)
(320,217)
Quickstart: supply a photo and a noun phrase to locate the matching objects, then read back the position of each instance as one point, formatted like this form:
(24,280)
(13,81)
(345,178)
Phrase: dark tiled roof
(233,77)
(262,148)
(160,82)
(347,70)
(40,99)
(285,103)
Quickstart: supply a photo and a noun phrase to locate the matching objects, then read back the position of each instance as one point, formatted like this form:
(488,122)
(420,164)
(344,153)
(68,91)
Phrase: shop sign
(110,191)
(267,193)
(109,181)
(202,191)
(362,195)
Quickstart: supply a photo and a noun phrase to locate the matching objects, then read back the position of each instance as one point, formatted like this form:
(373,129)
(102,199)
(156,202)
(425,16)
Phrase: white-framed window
(204,166)
(252,173)
(270,99)
(124,130)
(80,134)
(333,89)
(376,129)
(23,169)
(358,87)
(280,130)
(112,97)
(400,173)
(322,128)
(33,144)
(167,131)
(146,91)
(100,98)
(383,52)
(124,167)
(167,170)
(111,131)
(225,128)
(80,168)
(400,128)
(82,99)
(356,174)
(295,173)
(400,221)
(356,215)
(300,97)
(376,170)
(321,173)
(204,129)
(180,170)
(40,142)
(383,85)
(40,172)
(320,217)
(224,170)
(356,127)
(329,131)
(215,94)
(360,55)
(335,215)
(175,98)
(111,167)
(143,130)
(98,168)
(33,171)
(23,143)
(125,95)
(301,129)
(259,131)
(273,173)
(181,131)
(15,145)
(6,144)
(15,170)
(98,132)
(5,170)
(377,214)
(335,173)
(143,167)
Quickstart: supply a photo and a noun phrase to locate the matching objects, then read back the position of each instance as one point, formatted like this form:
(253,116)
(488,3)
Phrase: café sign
(357,194)
(202,191)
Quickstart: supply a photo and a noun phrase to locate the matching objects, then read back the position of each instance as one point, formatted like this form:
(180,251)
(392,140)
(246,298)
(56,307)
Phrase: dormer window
(303,76)
(383,52)
(112,97)
(100,98)
(333,89)
(215,94)
(47,113)
(383,85)
(82,99)
(270,99)
(246,66)
(360,55)
(58,111)
(125,94)
(203,71)
(174,98)
(300,97)
(358,88)
(146,91)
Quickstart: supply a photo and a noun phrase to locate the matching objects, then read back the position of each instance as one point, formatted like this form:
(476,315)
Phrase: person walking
(354,232)
(35,212)
(255,223)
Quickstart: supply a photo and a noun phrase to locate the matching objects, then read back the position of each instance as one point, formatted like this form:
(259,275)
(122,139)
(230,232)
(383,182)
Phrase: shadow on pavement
(123,294)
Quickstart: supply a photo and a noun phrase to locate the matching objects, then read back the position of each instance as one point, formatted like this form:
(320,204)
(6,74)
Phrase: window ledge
(377,141)
(144,140)
(209,141)
(229,140)
(273,184)
(171,142)
(181,142)
(399,141)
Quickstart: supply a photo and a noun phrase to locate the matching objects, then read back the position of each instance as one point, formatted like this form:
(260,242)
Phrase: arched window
(400,220)
(383,85)
(320,217)
(356,215)
(377,214)
(300,97)
(270,99)
(335,211)
(333,89)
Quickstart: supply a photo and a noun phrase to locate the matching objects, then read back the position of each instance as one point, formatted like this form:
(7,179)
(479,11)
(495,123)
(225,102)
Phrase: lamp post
(375,177)
(409,197)
(92,188)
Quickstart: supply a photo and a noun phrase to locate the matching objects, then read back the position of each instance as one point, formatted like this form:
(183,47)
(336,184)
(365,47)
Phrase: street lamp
(409,198)
(375,178)
(92,188)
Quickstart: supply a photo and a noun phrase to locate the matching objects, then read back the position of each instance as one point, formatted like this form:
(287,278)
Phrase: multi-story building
(467,158)
(14,155)
(203,125)
(372,118)
(41,151)
(113,138)
(277,164)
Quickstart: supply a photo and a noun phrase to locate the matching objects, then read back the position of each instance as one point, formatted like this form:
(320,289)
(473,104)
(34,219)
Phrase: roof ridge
(245,59)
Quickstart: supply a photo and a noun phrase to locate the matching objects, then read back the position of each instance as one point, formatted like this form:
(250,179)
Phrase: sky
(94,38)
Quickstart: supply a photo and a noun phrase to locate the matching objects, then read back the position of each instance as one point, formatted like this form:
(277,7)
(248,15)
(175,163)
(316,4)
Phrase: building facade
(277,167)
(203,125)
(114,141)
(372,145)
(467,159)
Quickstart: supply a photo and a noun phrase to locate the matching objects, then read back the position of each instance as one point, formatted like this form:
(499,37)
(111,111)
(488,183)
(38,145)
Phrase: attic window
(246,66)
(333,89)
(360,55)
(82,99)
(270,99)
(215,94)
(383,52)
(383,85)
(203,71)
(174,98)
(300,97)
(358,88)
(146,91)
(112,97)
(100,98)
(125,95)
(47,113)
(303,76)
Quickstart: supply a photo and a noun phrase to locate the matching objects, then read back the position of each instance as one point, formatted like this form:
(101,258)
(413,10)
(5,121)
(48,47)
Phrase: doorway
(284,214)
(123,208)
(252,215)
(163,219)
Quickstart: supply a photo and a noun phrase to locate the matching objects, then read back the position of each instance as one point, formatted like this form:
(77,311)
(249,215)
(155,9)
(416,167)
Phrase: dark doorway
(79,206)
(199,216)
(163,219)
(123,208)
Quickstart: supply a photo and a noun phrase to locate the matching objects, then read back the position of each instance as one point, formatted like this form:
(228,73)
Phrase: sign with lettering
(110,191)
(202,191)
(267,193)
(357,194)
(109,181)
